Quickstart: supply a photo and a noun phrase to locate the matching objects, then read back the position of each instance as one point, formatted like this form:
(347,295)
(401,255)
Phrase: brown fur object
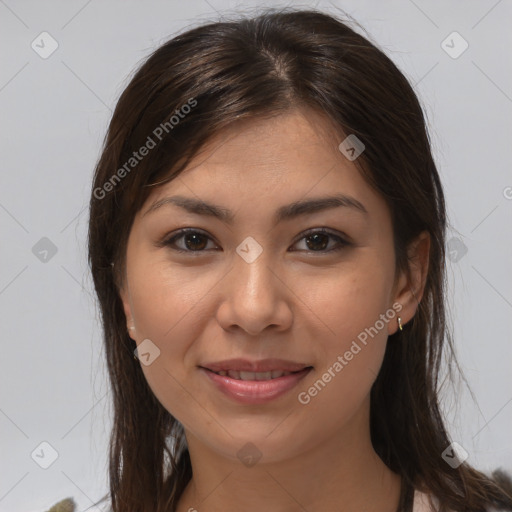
(67,505)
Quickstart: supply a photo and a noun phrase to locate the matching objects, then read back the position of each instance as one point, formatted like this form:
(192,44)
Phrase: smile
(253,388)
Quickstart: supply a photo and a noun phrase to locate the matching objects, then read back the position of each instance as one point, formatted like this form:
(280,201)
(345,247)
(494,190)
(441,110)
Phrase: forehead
(269,144)
(257,163)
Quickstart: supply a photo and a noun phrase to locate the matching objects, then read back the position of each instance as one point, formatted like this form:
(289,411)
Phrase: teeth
(241,375)
(260,375)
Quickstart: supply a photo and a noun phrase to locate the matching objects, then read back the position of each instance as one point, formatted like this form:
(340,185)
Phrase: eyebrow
(286,212)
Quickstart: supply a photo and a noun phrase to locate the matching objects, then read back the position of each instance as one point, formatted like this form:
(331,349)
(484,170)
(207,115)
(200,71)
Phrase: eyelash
(170,242)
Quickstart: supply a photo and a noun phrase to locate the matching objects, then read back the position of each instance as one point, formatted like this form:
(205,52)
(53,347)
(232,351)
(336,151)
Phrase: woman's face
(256,286)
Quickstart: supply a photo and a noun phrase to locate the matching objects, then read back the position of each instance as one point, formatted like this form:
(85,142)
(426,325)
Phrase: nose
(255,296)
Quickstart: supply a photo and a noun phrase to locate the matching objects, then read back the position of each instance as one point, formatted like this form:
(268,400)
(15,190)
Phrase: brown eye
(192,241)
(319,241)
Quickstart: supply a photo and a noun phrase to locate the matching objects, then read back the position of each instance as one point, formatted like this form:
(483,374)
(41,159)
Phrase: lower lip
(255,391)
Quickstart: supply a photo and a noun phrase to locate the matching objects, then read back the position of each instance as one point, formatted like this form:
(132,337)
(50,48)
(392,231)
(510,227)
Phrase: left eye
(196,241)
(320,240)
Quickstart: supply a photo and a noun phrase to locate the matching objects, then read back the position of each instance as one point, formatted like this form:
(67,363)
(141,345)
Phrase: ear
(410,286)
(124,294)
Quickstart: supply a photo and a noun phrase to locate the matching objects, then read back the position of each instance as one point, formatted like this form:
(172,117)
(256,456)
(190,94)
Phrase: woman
(267,242)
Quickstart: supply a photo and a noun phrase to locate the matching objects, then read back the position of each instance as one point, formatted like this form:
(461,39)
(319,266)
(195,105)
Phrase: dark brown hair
(261,67)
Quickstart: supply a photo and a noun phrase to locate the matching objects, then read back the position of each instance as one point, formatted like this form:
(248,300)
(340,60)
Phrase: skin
(297,301)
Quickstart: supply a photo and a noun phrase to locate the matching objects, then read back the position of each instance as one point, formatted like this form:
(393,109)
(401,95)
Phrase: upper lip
(264,365)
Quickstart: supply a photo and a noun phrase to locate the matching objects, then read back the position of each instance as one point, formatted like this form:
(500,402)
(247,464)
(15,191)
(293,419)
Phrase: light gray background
(54,115)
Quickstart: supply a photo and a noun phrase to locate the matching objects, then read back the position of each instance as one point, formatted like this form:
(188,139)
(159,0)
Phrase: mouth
(255,382)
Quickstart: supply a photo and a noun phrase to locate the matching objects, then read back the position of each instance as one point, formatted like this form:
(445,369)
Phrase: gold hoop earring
(400,324)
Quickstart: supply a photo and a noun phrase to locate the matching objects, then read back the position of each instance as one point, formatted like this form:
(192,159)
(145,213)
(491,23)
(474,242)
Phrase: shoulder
(424,502)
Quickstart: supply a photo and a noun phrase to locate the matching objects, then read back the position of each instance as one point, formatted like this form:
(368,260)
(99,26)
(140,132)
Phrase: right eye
(193,241)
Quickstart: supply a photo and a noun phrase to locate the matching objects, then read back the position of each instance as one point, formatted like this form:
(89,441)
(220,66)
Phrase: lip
(255,391)
(264,365)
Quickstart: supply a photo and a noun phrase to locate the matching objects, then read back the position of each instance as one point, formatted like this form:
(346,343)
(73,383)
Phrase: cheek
(351,300)
(169,308)
(166,298)
(353,307)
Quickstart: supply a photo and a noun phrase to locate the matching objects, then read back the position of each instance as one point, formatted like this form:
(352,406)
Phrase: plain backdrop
(54,114)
